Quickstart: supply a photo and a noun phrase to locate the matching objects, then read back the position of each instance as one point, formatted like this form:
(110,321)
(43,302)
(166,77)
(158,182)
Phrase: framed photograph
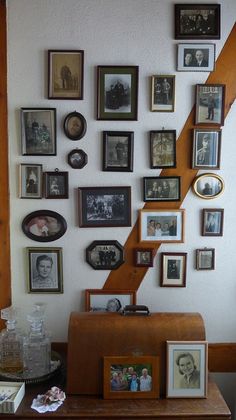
(197,21)
(210,104)
(157,188)
(158,225)
(99,300)
(163,93)
(205,259)
(56,184)
(187,363)
(65,74)
(45,270)
(38,131)
(163,149)
(212,222)
(75,126)
(118,150)
(143,257)
(105,255)
(104,206)
(196,57)
(131,377)
(206,148)
(31,180)
(173,269)
(117,92)
(208,186)
(77,158)
(44,226)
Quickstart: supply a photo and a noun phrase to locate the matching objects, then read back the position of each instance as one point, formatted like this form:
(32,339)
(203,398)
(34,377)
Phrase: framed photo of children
(212,222)
(118,151)
(163,149)
(187,363)
(173,269)
(206,148)
(31,180)
(163,93)
(205,259)
(210,104)
(196,57)
(56,184)
(159,225)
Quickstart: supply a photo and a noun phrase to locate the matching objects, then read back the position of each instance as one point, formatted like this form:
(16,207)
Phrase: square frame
(162,149)
(150,385)
(51,261)
(196,57)
(161,225)
(65,74)
(143,257)
(210,104)
(163,93)
(117,92)
(56,184)
(31,184)
(206,148)
(205,259)
(212,222)
(109,300)
(179,383)
(118,151)
(161,188)
(38,132)
(173,269)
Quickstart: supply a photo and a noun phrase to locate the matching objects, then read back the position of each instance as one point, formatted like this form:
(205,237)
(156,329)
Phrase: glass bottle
(11,343)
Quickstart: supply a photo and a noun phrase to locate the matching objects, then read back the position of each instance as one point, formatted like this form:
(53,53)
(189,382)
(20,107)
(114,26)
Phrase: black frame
(172,139)
(214,136)
(31,187)
(119,156)
(109,255)
(60,189)
(80,161)
(198,256)
(160,194)
(31,219)
(214,227)
(75,119)
(203,93)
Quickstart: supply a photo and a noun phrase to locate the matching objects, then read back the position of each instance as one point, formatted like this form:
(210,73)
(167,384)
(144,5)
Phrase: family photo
(136,378)
(161,188)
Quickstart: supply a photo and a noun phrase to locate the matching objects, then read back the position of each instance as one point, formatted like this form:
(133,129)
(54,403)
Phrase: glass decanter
(11,343)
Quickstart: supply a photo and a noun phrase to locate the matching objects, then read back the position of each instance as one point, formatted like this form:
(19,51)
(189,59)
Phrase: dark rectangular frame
(203,91)
(103,94)
(101,191)
(157,94)
(57,194)
(209,131)
(117,293)
(159,180)
(165,164)
(139,262)
(23,181)
(208,62)
(205,231)
(200,33)
(126,153)
(166,282)
(198,257)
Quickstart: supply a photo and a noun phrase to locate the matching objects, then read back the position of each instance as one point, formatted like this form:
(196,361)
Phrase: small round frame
(208,186)
(75,126)
(77,158)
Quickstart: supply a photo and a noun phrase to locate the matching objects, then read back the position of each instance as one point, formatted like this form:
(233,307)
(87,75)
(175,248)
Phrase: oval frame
(44,214)
(80,162)
(81,124)
(209,195)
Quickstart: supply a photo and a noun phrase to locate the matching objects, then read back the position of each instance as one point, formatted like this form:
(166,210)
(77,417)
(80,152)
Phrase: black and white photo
(163,149)
(56,184)
(99,300)
(206,149)
(161,188)
(143,257)
(118,151)
(208,186)
(173,269)
(205,259)
(210,100)
(196,57)
(31,180)
(212,222)
(105,255)
(163,93)
(77,158)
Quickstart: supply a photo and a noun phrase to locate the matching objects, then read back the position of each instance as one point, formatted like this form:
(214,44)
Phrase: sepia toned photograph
(44,225)
(56,184)
(210,100)
(166,188)
(161,225)
(75,126)
(212,222)
(208,186)
(105,255)
(205,259)
(163,149)
(173,269)
(196,57)
(206,149)
(31,180)
(163,93)
(118,151)
(99,300)
(143,257)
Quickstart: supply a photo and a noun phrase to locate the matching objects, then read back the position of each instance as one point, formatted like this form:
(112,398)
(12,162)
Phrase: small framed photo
(105,255)
(45,270)
(163,149)
(31,180)
(143,257)
(187,363)
(210,104)
(99,300)
(173,269)
(65,74)
(131,377)
(56,184)
(38,131)
(208,186)
(163,93)
(196,57)
(206,148)
(212,222)
(166,188)
(75,126)
(205,259)
(158,225)
(197,21)
(118,150)
(117,92)
(44,226)
(104,206)
(77,158)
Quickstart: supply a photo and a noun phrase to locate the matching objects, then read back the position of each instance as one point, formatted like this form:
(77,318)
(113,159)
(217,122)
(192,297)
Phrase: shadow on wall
(226,382)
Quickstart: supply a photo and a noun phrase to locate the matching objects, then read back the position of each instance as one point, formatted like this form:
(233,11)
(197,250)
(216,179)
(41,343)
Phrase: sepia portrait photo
(163,149)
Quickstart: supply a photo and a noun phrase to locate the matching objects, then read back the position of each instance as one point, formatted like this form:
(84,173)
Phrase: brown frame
(174,216)
(114,294)
(158,101)
(177,277)
(139,262)
(124,162)
(199,266)
(32,189)
(215,228)
(207,116)
(60,189)
(160,137)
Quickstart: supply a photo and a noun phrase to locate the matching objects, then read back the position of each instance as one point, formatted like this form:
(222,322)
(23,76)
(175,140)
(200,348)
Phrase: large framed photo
(210,103)
(206,148)
(166,188)
(131,377)
(65,74)
(56,184)
(158,225)
(45,270)
(38,131)
(205,259)
(104,206)
(208,186)
(187,369)
(212,222)
(44,226)
(117,92)
(75,126)
(105,255)
(197,21)
(163,149)
(118,150)
(173,269)
(99,300)
(196,57)
(163,93)
(143,257)
(31,180)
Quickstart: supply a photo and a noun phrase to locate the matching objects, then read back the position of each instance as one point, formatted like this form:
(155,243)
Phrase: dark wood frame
(208,62)
(130,151)
(118,293)
(82,124)
(76,93)
(102,114)
(179,237)
(202,94)
(208,131)
(84,192)
(173,139)
(170,282)
(207,175)
(23,181)
(221,222)
(105,266)
(161,107)
(137,257)
(82,159)
(55,174)
(198,256)
(43,213)
(159,180)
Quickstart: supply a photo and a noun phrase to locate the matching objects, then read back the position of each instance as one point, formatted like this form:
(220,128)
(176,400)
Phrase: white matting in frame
(161,225)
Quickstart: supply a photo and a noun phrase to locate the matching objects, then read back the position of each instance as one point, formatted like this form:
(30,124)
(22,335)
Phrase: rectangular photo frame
(143,257)
(31,180)
(162,149)
(38,131)
(117,92)
(163,93)
(210,104)
(99,300)
(187,363)
(65,74)
(173,269)
(206,148)
(131,377)
(161,188)
(212,222)
(118,151)
(205,259)
(196,57)
(56,184)
(45,270)
(161,225)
